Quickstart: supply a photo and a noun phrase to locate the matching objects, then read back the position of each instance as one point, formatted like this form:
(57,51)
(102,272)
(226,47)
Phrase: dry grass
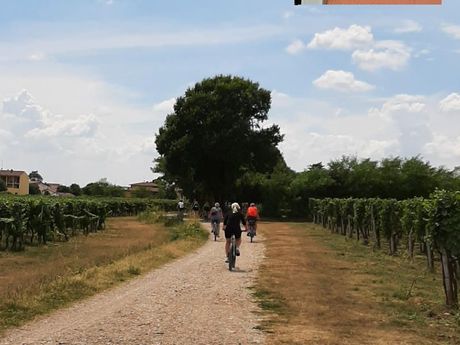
(318,288)
(46,278)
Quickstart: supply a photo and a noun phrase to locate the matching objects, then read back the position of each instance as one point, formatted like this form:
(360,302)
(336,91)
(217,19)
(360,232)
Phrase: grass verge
(410,295)
(315,287)
(21,303)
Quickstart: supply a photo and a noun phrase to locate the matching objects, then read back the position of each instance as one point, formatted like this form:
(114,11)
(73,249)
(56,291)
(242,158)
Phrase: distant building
(368,2)
(149,186)
(47,188)
(17,182)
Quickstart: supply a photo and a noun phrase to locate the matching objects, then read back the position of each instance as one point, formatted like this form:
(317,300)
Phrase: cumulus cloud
(22,106)
(384,54)
(57,126)
(452,30)
(166,106)
(408,26)
(368,54)
(343,39)
(341,81)
(295,47)
(450,103)
(34,121)
(444,147)
(400,103)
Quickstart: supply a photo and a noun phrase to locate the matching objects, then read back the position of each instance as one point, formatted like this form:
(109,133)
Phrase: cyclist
(195,208)
(181,209)
(232,223)
(206,209)
(252,215)
(215,215)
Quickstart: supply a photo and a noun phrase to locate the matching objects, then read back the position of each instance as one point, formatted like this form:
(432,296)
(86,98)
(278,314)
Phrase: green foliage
(34,190)
(2,186)
(75,189)
(434,222)
(215,135)
(23,219)
(444,220)
(103,188)
(64,189)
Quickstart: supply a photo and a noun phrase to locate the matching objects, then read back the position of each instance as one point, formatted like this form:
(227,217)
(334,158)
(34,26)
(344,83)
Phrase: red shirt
(252,212)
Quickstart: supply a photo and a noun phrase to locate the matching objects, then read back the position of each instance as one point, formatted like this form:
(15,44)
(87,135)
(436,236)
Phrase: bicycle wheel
(230,258)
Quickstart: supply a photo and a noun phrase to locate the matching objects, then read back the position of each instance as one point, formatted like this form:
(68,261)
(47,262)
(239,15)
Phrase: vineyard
(429,226)
(29,220)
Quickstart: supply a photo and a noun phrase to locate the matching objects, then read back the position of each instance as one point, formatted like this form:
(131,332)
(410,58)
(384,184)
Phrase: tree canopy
(103,188)
(215,135)
(2,185)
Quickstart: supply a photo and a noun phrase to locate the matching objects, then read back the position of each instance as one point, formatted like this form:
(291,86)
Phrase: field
(43,278)
(321,289)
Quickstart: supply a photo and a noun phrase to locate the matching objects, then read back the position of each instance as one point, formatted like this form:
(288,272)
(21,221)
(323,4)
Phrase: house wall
(384,2)
(23,186)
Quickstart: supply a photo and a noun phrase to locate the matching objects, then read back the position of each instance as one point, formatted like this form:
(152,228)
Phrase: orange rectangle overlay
(382,2)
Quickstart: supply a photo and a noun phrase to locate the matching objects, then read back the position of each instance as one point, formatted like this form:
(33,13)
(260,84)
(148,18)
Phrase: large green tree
(215,135)
(2,185)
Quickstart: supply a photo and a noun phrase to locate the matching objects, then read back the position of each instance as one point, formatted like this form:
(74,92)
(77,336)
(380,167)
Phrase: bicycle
(232,254)
(251,228)
(215,229)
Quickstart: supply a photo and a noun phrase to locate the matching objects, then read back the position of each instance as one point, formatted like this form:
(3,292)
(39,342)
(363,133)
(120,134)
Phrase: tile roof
(11,173)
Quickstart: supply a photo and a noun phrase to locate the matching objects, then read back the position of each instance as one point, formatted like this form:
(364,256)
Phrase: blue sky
(85,84)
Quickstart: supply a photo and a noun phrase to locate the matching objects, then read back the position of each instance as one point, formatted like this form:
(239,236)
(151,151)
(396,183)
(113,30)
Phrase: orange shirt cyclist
(252,215)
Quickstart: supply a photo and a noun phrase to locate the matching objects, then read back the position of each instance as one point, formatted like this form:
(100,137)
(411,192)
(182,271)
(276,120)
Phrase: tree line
(216,145)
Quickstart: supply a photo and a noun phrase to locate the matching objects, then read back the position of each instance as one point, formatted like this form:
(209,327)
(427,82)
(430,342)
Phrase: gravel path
(193,300)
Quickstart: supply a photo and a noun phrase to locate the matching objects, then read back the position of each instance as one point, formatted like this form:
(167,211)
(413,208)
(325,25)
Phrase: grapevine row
(433,224)
(24,220)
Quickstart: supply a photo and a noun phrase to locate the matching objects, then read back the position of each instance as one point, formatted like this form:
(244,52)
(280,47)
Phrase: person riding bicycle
(206,209)
(196,208)
(181,209)
(252,215)
(215,215)
(232,226)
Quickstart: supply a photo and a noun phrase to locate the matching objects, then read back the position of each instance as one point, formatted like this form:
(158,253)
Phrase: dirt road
(194,300)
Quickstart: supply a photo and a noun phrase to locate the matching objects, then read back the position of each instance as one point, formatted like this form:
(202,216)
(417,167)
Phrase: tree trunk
(411,245)
(422,248)
(449,279)
(375,231)
(392,244)
(350,228)
(365,236)
(429,257)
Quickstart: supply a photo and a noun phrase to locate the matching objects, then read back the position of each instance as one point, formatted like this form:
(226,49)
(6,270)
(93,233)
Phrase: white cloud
(450,103)
(166,106)
(422,52)
(343,39)
(146,37)
(408,26)
(295,47)
(341,81)
(451,30)
(384,54)
(400,103)
(368,54)
(444,147)
(112,138)
(37,56)
(58,126)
